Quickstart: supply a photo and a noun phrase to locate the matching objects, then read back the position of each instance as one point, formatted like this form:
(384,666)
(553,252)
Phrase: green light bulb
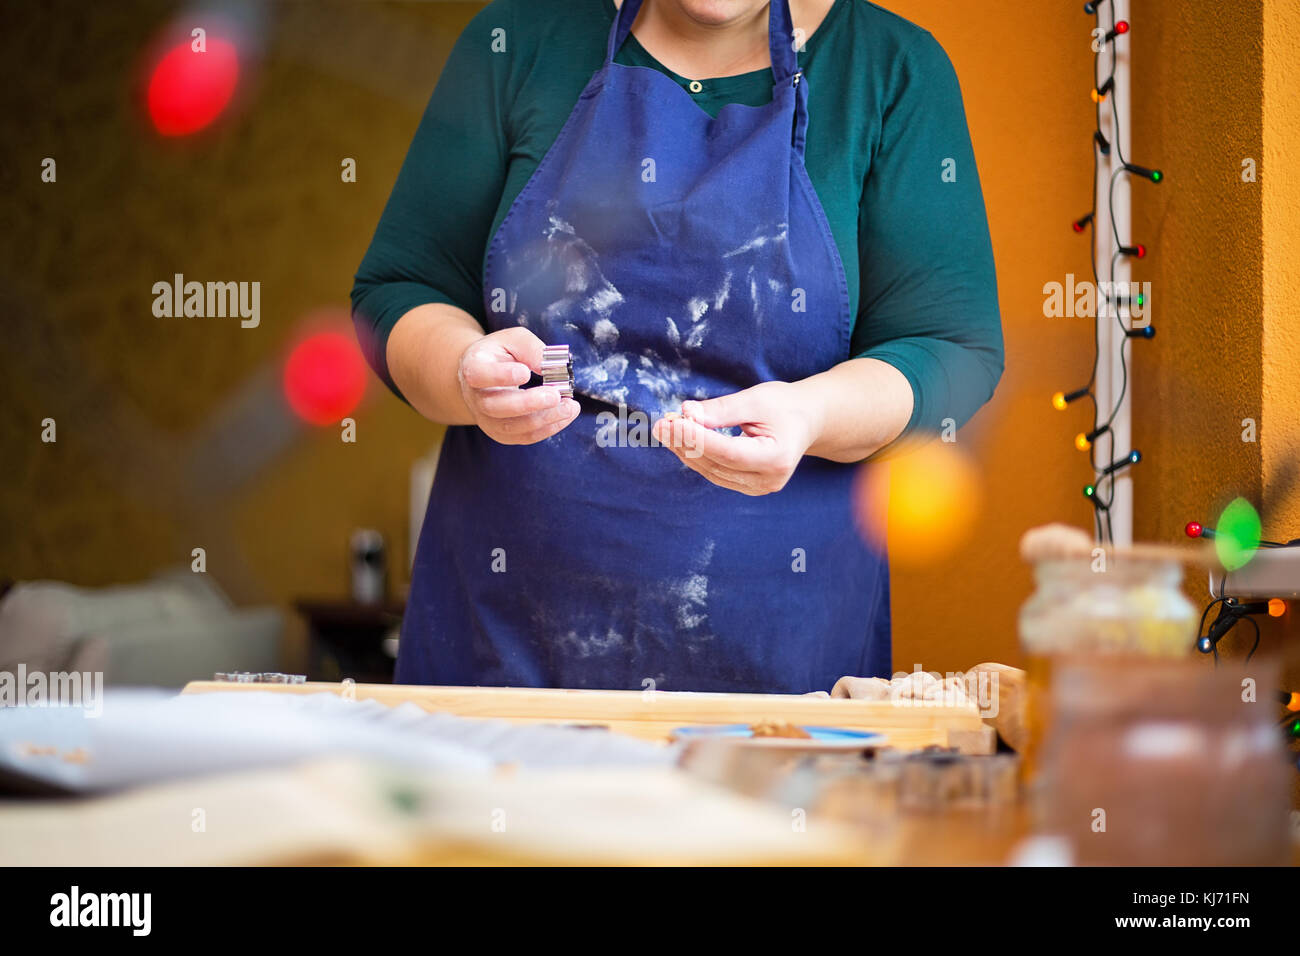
(1237,534)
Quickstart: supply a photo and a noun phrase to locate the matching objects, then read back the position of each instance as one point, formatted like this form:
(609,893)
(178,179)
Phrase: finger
(523,425)
(678,433)
(722,477)
(721,412)
(723,482)
(749,483)
(513,402)
(711,470)
(738,452)
(546,431)
(523,345)
(494,373)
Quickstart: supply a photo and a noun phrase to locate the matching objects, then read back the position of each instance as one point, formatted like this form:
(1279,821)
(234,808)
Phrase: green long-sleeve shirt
(888,152)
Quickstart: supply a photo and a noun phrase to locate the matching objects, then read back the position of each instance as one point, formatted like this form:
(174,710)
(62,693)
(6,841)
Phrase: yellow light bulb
(1058,401)
(1276,607)
(1081,442)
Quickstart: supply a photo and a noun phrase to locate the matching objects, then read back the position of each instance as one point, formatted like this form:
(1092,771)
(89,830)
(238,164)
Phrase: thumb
(719,412)
(523,346)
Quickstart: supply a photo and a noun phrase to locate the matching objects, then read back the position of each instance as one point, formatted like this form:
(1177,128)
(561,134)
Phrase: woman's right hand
(490,372)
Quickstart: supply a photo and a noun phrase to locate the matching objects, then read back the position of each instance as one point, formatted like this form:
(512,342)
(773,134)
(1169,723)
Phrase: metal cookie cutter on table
(557,368)
(270,677)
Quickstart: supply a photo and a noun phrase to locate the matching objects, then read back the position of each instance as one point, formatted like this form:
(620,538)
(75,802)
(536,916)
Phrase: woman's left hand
(778,423)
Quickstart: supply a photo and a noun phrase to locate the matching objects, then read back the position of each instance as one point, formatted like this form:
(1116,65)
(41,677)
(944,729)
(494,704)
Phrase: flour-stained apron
(680,257)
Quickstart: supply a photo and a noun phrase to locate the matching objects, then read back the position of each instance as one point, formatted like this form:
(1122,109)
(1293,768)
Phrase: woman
(778,235)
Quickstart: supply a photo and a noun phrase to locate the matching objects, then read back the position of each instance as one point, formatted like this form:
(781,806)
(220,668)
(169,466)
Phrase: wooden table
(959,837)
(346,810)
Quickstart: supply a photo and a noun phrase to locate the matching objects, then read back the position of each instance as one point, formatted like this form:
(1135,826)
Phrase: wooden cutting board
(653,715)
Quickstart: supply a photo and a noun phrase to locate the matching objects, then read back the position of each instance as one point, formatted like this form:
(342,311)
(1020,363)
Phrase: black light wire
(1254,647)
(1200,628)
(1101,511)
(1110,202)
(1103,506)
(1239,617)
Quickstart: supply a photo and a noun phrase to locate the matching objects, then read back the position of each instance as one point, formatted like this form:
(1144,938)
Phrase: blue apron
(680,257)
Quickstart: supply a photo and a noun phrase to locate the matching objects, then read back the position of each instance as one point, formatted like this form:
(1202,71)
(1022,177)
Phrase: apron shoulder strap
(622,27)
(781,41)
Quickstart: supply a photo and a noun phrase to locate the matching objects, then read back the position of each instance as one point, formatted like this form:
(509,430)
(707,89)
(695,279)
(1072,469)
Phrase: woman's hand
(778,425)
(490,372)
(844,414)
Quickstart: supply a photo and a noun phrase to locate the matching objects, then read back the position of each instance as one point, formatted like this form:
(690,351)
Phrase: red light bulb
(325,378)
(1193,529)
(1141,251)
(1121,27)
(188,90)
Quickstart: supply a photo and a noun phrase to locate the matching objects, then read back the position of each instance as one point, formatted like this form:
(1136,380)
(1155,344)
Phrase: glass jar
(1108,605)
(1103,604)
(1153,761)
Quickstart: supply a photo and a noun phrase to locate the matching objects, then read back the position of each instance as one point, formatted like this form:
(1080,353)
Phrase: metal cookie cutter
(265,677)
(557,368)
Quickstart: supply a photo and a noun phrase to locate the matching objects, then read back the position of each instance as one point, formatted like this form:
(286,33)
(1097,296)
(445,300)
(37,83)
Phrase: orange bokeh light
(929,504)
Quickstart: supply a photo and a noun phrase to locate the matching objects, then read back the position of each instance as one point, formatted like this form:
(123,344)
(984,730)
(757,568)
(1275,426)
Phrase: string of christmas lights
(1100,491)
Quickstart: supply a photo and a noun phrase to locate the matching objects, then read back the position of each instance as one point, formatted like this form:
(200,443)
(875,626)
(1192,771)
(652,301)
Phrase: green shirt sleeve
(428,246)
(928,298)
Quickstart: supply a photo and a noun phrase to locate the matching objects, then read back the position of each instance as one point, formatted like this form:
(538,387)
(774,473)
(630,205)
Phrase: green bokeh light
(1237,534)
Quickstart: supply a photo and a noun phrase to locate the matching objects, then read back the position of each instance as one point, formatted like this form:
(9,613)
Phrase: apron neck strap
(780,36)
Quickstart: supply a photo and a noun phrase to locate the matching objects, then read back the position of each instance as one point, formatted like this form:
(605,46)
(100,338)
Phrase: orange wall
(1197,113)
(1281,192)
(1026,94)
(1281,339)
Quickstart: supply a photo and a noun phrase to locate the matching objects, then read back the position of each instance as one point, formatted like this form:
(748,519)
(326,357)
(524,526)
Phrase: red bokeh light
(188,90)
(325,378)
